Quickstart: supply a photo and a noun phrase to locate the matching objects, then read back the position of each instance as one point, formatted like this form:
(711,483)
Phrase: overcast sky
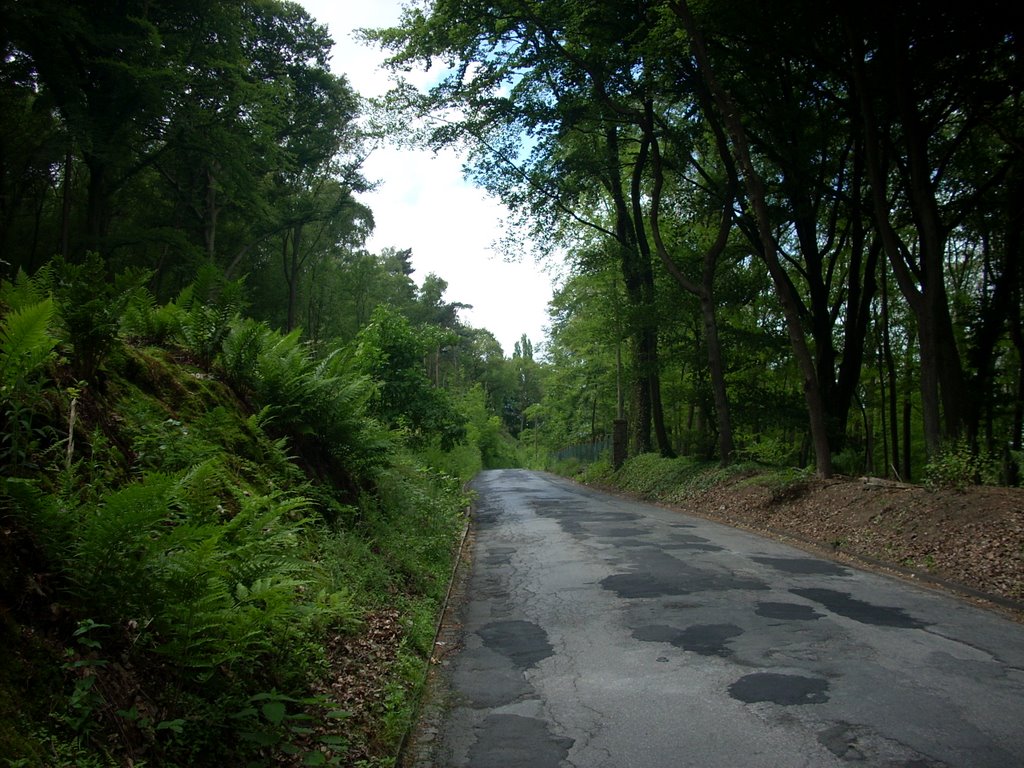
(424,204)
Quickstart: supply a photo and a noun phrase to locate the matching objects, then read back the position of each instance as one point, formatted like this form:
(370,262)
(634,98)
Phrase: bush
(183,541)
(769,451)
(850,461)
(143,320)
(956,465)
(652,475)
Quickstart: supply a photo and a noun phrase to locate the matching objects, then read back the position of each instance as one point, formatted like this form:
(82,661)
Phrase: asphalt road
(602,633)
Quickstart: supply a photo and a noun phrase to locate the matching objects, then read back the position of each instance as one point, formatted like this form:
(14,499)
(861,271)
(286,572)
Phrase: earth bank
(969,541)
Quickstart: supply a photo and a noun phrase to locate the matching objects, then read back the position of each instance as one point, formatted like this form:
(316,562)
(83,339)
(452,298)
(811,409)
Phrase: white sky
(423,203)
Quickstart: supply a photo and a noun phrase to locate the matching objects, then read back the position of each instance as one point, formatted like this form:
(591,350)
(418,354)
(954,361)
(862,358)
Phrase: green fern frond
(241,350)
(25,341)
(24,290)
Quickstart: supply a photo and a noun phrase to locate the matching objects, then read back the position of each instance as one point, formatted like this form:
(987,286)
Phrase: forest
(235,442)
(794,230)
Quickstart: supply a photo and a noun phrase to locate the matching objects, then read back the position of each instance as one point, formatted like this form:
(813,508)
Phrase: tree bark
(921,279)
(292,263)
(784,289)
(625,235)
(97,206)
(704,291)
(649,319)
(65,207)
(890,369)
(210,228)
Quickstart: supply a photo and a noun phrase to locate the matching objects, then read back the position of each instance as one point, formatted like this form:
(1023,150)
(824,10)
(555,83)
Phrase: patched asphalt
(597,632)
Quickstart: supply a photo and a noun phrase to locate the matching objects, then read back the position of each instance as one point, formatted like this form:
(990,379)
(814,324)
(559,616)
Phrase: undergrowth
(678,479)
(197,516)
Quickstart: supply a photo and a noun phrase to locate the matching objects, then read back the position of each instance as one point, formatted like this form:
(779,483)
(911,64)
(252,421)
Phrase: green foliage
(85,700)
(958,466)
(146,321)
(599,471)
(849,462)
(213,590)
(26,346)
(243,347)
(651,475)
(484,430)
(90,304)
(210,568)
(165,444)
(673,480)
(25,343)
(210,306)
(281,723)
(391,352)
(320,401)
(487,445)
(769,450)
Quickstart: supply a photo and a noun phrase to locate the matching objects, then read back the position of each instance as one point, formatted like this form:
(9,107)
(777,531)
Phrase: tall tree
(927,79)
(728,111)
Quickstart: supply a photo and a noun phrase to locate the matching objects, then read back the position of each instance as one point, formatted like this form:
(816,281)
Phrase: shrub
(209,308)
(653,475)
(318,401)
(956,465)
(145,320)
(850,461)
(770,451)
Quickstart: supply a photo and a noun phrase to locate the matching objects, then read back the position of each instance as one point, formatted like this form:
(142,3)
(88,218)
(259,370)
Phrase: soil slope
(970,542)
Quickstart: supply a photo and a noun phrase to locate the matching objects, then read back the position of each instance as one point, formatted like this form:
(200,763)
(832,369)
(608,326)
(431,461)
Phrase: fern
(211,306)
(144,320)
(25,342)
(24,289)
(109,568)
(26,346)
(241,352)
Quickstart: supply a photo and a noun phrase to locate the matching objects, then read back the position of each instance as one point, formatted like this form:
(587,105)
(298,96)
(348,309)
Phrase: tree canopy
(856,167)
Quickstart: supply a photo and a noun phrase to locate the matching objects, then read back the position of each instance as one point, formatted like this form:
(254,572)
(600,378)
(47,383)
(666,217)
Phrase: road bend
(598,632)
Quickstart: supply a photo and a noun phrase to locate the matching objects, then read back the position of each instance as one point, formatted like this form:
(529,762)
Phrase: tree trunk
(1000,313)
(210,228)
(890,369)
(65,207)
(292,262)
(883,395)
(726,447)
(625,235)
(921,279)
(907,410)
(755,192)
(97,213)
(649,318)
(1017,439)
(861,288)
(704,292)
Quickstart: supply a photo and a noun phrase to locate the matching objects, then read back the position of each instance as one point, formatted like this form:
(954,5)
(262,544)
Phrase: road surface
(601,633)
